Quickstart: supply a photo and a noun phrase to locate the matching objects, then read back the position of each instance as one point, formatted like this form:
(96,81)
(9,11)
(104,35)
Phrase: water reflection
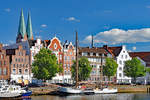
(96,97)
(125,96)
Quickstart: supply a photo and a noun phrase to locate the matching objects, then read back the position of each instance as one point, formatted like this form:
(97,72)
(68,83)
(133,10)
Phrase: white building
(120,55)
(35,46)
(144,57)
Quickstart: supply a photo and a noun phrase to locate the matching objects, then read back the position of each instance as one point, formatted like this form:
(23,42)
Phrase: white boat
(106,91)
(69,90)
(9,91)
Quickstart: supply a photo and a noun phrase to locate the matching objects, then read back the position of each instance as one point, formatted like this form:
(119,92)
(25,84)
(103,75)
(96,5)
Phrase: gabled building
(96,56)
(19,59)
(68,57)
(120,54)
(35,46)
(56,47)
(4,64)
(144,57)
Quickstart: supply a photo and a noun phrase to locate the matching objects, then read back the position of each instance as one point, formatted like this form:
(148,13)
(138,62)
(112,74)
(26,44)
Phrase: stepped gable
(24,44)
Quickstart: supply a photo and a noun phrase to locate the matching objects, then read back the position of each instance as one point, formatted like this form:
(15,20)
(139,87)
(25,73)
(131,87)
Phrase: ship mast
(77,59)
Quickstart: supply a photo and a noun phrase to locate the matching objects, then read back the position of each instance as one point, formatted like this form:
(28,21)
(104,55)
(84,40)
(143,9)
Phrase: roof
(93,50)
(24,44)
(115,50)
(29,28)
(145,56)
(22,28)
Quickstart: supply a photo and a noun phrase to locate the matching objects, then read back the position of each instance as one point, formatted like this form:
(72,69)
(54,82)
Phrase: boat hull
(10,95)
(67,91)
(106,91)
(28,93)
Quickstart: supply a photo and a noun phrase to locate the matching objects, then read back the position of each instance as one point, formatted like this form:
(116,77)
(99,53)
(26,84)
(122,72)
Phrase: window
(70,53)
(72,58)
(68,58)
(4,71)
(4,62)
(91,54)
(14,71)
(120,68)
(123,51)
(120,75)
(26,71)
(97,54)
(126,56)
(16,59)
(120,62)
(0,71)
(20,71)
(122,56)
(84,53)
(55,46)
(65,57)
(14,65)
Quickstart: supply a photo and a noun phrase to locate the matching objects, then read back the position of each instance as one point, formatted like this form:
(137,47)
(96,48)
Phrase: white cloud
(11,42)
(44,25)
(72,19)
(133,48)
(115,36)
(7,9)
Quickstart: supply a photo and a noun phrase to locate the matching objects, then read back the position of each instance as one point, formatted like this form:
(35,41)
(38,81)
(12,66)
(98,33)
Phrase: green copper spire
(22,28)
(29,28)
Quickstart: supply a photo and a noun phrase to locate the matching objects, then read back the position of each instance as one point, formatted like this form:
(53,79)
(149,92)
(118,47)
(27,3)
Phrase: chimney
(1,46)
(105,47)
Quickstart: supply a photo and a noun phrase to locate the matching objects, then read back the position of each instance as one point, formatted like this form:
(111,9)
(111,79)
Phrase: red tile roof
(145,56)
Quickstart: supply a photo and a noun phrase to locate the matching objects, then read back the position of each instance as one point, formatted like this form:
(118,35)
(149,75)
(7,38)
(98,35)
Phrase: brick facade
(4,64)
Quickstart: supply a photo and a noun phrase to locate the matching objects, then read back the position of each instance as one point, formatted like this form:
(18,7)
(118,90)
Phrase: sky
(112,22)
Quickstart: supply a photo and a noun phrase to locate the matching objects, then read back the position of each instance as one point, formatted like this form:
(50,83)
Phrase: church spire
(29,28)
(22,28)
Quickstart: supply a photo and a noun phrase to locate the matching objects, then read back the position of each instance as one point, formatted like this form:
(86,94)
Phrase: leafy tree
(84,69)
(45,65)
(148,69)
(134,68)
(110,67)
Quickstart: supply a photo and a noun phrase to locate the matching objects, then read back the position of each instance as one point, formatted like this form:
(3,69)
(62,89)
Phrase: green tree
(134,68)
(45,65)
(84,69)
(110,67)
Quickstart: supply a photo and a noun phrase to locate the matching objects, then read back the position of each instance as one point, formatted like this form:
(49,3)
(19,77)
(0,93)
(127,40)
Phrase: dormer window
(97,54)
(91,54)
(84,53)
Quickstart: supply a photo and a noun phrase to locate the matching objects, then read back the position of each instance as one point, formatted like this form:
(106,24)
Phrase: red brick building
(20,67)
(4,64)
(69,56)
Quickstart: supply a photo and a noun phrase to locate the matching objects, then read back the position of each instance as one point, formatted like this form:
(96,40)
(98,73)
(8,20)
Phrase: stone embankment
(121,89)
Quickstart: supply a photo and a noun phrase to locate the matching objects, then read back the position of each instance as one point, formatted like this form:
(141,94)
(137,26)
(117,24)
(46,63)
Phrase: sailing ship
(70,90)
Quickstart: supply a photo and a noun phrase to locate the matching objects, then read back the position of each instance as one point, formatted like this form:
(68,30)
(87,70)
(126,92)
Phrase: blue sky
(98,17)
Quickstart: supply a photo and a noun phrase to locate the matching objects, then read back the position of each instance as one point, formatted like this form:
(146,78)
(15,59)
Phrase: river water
(123,96)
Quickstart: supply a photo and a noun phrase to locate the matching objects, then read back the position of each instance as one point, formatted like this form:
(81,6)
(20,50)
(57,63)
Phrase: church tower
(29,28)
(21,36)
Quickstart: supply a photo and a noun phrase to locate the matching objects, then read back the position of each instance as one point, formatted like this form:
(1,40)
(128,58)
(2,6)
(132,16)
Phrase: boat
(88,91)
(106,91)
(10,91)
(71,90)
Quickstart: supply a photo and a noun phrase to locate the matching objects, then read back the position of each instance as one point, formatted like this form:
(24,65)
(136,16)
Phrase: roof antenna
(92,42)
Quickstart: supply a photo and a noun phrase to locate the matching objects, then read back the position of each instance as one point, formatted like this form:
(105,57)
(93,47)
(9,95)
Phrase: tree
(84,69)
(45,65)
(110,67)
(134,68)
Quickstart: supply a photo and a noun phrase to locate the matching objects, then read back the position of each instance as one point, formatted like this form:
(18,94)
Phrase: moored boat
(106,91)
